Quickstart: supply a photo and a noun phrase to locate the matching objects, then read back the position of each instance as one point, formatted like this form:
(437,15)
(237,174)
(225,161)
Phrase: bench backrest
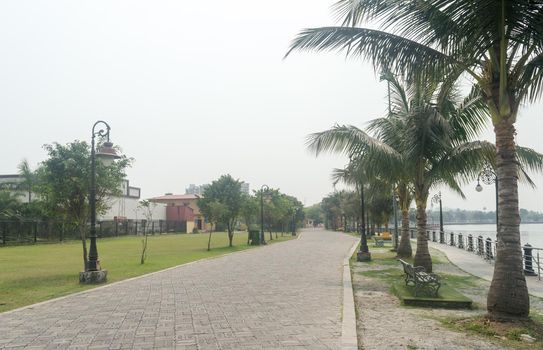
(407,268)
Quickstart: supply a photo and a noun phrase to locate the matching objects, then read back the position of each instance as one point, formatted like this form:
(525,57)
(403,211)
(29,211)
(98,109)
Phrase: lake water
(529,233)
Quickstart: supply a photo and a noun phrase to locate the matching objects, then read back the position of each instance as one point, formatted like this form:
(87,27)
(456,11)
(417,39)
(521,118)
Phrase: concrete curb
(349,338)
(31,306)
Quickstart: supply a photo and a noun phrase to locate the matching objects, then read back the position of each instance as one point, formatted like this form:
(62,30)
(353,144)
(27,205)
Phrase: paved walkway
(283,296)
(479,267)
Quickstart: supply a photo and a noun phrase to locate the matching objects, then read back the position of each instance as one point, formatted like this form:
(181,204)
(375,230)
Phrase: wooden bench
(424,282)
(378,242)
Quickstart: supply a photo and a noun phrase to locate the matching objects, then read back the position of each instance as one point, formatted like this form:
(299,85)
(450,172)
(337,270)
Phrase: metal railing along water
(485,247)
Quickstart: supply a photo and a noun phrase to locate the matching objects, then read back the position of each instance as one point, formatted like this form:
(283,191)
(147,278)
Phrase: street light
(488,177)
(294,222)
(364,252)
(262,189)
(437,199)
(106,155)
(395,208)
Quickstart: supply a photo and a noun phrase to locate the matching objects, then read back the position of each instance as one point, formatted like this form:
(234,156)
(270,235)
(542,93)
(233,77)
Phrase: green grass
(447,297)
(30,274)
(392,274)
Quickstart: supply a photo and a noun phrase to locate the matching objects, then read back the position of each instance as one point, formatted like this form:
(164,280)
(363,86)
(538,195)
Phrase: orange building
(183,207)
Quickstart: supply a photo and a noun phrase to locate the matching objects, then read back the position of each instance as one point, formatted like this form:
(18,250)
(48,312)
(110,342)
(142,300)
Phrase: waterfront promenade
(282,296)
(477,266)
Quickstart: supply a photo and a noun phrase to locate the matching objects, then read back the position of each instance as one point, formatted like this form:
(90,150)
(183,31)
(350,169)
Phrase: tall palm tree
(28,178)
(499,45)
(425,141)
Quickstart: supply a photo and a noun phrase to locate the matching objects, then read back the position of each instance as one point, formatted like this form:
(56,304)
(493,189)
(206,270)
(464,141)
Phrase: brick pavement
(282,296)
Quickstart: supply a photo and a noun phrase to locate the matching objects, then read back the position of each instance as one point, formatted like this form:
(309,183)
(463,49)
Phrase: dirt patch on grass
(520,334)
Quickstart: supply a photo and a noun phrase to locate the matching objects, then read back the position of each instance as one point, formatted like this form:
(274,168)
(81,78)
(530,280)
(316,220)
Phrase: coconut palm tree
(425,141)
(28,178)
(499,45)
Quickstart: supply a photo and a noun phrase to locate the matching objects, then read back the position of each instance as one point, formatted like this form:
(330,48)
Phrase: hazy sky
(193,90)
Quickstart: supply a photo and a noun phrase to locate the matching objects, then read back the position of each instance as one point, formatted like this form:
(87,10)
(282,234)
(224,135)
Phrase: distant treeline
(474,216)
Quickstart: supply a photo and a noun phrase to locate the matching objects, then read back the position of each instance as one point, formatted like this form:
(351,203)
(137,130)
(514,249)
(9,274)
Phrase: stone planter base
(362,256)
(93,277)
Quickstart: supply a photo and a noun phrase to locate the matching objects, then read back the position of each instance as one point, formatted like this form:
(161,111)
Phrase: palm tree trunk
(508,293)
(404,248)
(422,256)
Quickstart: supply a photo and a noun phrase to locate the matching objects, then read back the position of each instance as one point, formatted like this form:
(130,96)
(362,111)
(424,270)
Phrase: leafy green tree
(9,204)
(216,212)
(64,184)
(227,192)
(249,209)
(499,45)
(249,212)
(314,213)
(148,208)
(293,213)
(332,212)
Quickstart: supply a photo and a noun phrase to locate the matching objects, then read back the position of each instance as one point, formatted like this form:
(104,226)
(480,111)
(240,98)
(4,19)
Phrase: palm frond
(529,161)
(470,117)
(384,50)
(530,82)
(347,139)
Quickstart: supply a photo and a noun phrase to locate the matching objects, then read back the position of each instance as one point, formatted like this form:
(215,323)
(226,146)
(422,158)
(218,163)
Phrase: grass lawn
(34,273)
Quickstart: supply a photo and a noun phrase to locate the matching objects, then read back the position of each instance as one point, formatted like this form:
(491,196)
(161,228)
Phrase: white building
(123,207)
(126,206)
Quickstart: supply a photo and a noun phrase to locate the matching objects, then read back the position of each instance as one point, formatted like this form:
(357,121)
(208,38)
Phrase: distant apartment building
(199,190)
(194,189)
(245,187)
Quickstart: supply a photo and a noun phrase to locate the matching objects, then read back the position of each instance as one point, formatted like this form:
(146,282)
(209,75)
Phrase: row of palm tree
(341,209)
(424,141)
(498,46)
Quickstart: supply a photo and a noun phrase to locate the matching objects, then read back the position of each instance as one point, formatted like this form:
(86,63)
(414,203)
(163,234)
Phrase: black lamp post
(364,252)
(106,154)
(437,199)
(488,177)
(395,208)
(294,222)
(262,189)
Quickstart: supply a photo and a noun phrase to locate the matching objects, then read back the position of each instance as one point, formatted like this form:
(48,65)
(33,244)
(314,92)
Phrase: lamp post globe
(488,177)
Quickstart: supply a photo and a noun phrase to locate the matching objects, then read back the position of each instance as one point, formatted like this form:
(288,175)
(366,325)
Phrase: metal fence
(15,232)
(485,247)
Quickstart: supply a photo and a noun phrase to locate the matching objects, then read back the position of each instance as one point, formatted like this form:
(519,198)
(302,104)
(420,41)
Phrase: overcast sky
(193,90)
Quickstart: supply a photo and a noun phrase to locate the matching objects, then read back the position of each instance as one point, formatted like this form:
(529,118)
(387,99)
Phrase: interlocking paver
(283,296)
